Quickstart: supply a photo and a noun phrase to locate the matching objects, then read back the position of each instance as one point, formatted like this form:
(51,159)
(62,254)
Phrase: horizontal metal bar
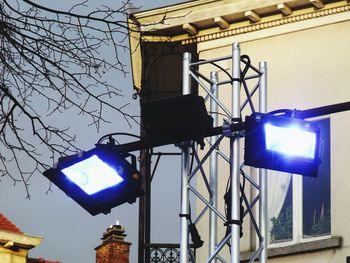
(202,62)
(165,153)
(230,81)
(309,113)
(252,77)
(142,144)
(223,82)
(324,110)
(164,245)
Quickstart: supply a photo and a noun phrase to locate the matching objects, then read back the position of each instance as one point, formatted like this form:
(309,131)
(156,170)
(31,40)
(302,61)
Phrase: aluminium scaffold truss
(238,81)
(238,205)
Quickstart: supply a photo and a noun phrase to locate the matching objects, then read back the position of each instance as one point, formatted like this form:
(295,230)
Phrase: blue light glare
(291,141)
(92,175)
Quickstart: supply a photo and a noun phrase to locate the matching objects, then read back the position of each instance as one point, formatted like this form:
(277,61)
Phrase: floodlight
(176,119)
(92,175)
(279,139)
(99,179)
(281,143)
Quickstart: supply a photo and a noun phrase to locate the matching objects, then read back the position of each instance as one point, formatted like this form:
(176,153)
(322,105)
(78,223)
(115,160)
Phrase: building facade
(305,46)
(15,245)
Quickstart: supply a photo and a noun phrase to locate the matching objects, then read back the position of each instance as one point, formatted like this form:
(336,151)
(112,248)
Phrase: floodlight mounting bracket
(240,127)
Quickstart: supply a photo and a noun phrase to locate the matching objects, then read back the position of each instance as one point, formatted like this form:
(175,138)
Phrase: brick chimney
(113,248)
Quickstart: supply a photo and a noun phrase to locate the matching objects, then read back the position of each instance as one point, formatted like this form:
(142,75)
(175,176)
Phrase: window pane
(316,191)
(282,225)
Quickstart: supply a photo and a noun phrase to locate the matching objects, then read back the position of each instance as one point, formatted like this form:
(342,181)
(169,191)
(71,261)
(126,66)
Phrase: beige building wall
(10,256)
(306,48)
(14,245)
(308,66)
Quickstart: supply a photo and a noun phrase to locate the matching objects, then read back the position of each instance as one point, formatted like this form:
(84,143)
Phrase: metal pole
(234,156)
(145,207)
(185,170)
(213,167)
(263,217)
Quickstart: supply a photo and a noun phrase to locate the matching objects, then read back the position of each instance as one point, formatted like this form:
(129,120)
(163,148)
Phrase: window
(299,207)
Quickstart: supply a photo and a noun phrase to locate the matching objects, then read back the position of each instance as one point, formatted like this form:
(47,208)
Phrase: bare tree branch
(58,59)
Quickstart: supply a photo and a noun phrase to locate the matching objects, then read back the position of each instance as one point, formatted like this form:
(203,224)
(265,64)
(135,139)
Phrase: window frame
(297,204)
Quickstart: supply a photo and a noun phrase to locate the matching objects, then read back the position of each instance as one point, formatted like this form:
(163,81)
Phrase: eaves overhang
(208,20)
(192,21)
(13,240)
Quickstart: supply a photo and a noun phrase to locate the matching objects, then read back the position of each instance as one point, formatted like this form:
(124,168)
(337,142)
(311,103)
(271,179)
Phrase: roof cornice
(205,20)
(9,239)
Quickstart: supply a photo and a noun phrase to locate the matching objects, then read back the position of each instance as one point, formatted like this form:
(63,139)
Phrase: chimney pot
(114,249)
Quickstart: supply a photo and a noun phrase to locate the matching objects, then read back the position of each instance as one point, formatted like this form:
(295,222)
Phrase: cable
(228,203)
(245,70)
(196,238)
(247,65)
(219,113)
(218,66)
(117,133)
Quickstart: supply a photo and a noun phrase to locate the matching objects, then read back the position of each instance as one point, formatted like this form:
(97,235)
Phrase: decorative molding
(190,29)
(285,9)
(317,3)
(9,244)
(252,16)
(268,24)
(221,22)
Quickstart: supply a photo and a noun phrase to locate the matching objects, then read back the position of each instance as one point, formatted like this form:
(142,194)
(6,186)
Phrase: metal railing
(165,253)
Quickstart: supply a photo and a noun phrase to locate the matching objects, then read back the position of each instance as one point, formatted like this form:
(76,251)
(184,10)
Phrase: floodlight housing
(176,119)
(282,143)
(98,180)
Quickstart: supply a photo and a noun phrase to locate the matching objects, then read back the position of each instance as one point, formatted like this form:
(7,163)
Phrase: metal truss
(243,73)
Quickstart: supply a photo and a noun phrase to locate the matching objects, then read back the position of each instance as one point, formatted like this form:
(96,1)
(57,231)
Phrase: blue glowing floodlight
(98,180)
(291,141)
(93,175)
(283,144)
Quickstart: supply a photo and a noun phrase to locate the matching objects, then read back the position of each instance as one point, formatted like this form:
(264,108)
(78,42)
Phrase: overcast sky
(70,233)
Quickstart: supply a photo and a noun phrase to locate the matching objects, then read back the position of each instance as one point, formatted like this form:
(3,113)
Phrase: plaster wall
(306,68)
(9,256)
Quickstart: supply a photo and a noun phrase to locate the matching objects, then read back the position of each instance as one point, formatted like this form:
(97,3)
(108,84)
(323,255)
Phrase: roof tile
(40,260)
(7,225)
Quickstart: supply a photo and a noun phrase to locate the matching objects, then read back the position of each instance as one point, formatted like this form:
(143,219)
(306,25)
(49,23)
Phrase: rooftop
(7,225)
(40,260)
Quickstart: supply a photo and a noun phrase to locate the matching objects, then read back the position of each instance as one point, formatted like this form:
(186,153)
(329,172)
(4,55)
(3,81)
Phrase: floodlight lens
(92,175)
(291,141)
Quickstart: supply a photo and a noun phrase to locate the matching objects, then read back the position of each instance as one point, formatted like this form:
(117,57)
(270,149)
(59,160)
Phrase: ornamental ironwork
(165,253)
